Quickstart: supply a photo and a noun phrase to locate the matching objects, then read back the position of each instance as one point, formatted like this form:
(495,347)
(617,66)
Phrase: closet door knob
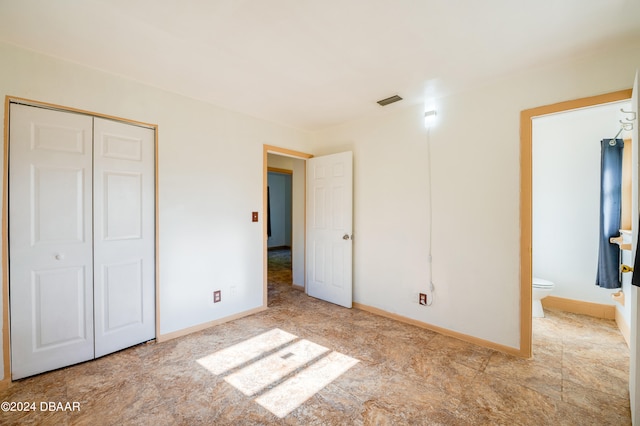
(59,256)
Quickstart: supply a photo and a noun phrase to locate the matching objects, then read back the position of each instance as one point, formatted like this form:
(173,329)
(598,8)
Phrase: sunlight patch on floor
(283,380)
(293,392)
(257,376)
(227,359)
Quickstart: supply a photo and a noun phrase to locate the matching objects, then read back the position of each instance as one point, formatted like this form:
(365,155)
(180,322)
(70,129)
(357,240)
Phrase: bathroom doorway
(526,264)
(566,161)
(526,208)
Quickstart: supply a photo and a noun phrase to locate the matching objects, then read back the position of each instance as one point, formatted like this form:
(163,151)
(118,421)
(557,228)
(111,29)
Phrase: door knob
(59,256)
(345,237)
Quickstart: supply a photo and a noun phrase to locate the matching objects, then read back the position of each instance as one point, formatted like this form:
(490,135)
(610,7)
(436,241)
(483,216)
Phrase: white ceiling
(311,64)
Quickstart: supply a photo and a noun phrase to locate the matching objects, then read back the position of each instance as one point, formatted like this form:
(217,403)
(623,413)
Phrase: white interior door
(330,228)
(50,239)
(634,362)
(124,235)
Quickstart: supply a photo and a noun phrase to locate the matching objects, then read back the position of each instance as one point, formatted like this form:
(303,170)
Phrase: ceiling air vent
(387,101)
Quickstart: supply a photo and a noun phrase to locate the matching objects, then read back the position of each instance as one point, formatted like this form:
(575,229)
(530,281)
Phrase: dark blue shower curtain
(610,200)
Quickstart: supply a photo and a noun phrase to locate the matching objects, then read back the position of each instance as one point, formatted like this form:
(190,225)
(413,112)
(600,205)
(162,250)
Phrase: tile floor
(307,362)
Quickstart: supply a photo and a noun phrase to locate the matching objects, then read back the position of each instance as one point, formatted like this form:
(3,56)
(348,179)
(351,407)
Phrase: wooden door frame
(6,341)
(266,150)
(526,206)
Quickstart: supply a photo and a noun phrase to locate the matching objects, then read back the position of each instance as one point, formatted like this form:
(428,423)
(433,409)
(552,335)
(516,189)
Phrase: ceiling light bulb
(429,118)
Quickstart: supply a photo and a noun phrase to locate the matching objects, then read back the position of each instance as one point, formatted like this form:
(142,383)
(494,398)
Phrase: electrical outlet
(217,296)
(423,299)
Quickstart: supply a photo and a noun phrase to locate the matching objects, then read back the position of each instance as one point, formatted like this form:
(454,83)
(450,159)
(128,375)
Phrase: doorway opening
(279,217)
(284,225)
(526,200)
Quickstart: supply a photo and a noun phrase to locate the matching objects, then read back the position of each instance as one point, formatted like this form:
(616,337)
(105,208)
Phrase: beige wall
(210,180)
(475,192)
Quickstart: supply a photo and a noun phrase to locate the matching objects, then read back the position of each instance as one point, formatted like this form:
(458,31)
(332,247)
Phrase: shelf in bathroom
(618,297)
(623,240)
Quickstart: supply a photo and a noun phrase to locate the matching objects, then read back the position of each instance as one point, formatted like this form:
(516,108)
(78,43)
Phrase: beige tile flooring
(307,362)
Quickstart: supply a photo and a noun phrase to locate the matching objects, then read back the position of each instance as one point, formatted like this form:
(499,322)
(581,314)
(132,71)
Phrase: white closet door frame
(9,100)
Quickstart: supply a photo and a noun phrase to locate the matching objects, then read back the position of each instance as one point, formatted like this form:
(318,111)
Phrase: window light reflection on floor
(296,370)
(257,376)
(293,392)
(227,359)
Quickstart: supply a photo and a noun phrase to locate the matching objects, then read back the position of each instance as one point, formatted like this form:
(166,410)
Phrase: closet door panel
(50,239)
(124,235)
(123,295)
(123,201)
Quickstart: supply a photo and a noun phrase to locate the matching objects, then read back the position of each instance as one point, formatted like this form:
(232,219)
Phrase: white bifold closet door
(123,235)
(81,237)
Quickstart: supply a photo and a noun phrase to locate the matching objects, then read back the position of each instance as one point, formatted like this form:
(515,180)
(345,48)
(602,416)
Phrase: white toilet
(540,289)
